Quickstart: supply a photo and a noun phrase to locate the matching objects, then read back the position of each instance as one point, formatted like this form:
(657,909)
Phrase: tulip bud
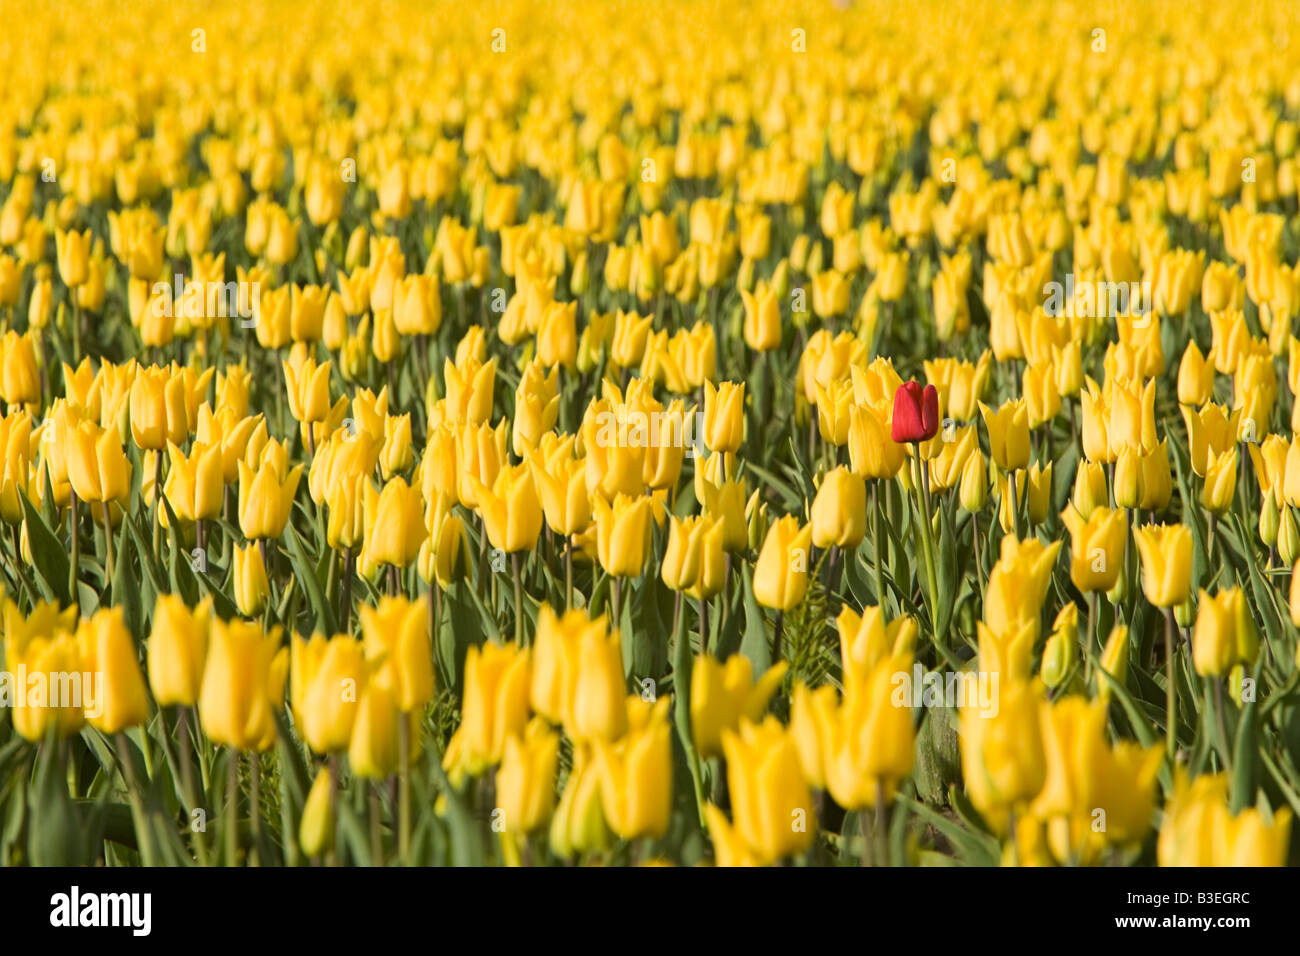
(1090,491)
(1294,597)
(1114,661)
(1059,655)
(251,585)
(1288,538)
(974,490)
(316,831)
(1127,470)
(1039,493)
(1270,519)
(579,825)
(580,278)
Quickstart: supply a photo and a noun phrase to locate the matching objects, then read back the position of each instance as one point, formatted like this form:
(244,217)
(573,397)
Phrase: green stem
(332,857)
(1171,700)
(345,599)
(74,592)
(183,757)
(878,827)
(232,809)
(877,544)
(704,626)
(108,539)
(519,598)
(1090,636)
(376,832)
(254,804)
(927,546)
(404,790)
(568,572)
(143,835)
(1221,718)
(157,502)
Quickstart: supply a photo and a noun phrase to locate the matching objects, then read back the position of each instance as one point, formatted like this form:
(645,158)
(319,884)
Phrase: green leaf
(54,835)
(1244,754)
(128,591)
(972,847)
(182,574)
(49,555)
(306,574)
(754,644)
(148,560)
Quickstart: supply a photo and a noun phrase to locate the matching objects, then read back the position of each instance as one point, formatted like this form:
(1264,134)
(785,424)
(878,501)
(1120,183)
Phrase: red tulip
(916,412)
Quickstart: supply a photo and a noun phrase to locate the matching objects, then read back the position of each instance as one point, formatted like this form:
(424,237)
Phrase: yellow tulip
(316,829)
(73,251)
(194,485)
(578,825)
(762,318)
(396,638)
(724,694)
(1195,377)
(511,509)
(1220,483)
(724,416)
(374,749)
(526,779)
(872,450)
(1166,552)
(636,772)
(20,379)
(243,685)
(266,498)
(1002,752)
(326,679)
(97,464)
(866,640)
(178,648)
(839,511)
(623,534)
(1017,585)
(781,572)
(537,406)
(1224,635)
(1008,429)
(47,660)
(1097,547)
(494,707)
(771,805)
(598,711)
(250,581)
(394,523)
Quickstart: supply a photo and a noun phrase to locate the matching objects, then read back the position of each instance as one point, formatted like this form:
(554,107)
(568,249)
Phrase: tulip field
(650,432)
